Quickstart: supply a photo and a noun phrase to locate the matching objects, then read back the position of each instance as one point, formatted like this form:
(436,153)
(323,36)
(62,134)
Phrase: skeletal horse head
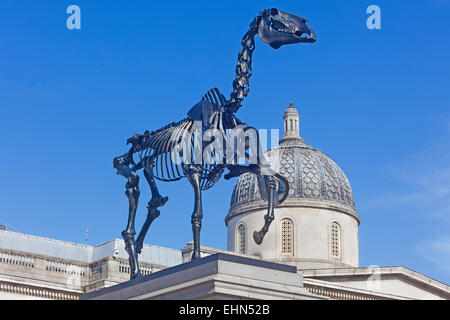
(278,28)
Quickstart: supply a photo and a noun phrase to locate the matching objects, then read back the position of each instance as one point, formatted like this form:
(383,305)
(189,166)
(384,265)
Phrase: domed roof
(312,175)
(291,109)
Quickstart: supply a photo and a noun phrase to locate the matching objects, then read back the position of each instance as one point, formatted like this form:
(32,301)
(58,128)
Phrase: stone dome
(311,173)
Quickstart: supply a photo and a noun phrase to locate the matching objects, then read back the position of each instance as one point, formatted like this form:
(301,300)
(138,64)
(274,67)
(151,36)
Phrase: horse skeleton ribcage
(166,150)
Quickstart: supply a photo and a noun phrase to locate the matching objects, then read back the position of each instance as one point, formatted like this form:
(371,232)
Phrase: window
(242,236)
(335,241)
(292,126)
(287,237)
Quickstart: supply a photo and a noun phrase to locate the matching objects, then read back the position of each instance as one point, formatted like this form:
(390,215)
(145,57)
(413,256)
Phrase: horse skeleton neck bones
(173,152)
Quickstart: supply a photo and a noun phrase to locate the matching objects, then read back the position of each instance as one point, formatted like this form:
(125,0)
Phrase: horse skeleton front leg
(271,186)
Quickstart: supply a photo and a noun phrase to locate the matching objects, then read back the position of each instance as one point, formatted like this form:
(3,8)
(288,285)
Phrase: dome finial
(291,108)
(291,119)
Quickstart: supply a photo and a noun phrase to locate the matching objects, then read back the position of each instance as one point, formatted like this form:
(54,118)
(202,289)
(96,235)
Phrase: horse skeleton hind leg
(132,192)
(156,201)
(194,175)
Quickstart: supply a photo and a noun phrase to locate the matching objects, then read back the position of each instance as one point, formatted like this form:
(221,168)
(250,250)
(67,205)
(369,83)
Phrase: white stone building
(316,226)
(315,230)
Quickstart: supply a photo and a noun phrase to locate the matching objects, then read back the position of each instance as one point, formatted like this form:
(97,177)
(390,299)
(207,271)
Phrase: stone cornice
(339,292)
(37,291)
(294,203)
(367,271)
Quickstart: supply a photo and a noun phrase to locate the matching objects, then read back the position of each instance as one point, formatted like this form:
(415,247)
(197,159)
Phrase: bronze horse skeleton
(169,153)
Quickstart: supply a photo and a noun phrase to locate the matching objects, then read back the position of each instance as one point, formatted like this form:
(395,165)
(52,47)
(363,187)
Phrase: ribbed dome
(310,172)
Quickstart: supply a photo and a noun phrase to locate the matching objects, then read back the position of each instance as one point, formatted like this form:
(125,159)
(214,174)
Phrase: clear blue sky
(377,102)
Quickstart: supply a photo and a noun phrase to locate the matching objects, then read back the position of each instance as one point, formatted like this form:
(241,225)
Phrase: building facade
(40,268)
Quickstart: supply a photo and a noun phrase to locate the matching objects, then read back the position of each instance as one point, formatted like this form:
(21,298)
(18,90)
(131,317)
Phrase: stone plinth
(219,276)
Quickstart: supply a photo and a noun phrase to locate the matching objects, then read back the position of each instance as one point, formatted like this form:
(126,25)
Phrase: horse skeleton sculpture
(171,153)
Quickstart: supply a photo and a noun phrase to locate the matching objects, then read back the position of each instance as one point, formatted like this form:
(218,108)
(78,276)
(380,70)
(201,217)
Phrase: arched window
(335,241)
(242,237)
(287,237)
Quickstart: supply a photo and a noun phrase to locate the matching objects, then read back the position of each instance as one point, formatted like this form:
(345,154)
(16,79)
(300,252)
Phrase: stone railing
(66,268)
(51,278)
(17,259)
(124,267)
(39,276)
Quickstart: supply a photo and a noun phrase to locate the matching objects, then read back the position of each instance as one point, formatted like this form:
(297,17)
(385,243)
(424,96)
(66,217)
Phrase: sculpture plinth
(219,276)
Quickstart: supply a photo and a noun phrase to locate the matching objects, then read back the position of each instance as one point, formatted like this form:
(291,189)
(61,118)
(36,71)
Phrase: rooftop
(75,252)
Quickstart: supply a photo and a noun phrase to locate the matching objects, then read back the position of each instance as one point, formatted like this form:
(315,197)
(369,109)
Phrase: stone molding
(337,292)
(293,203)
(37,291)
(438,287)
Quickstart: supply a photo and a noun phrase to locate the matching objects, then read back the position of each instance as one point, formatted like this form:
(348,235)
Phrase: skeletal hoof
(136,275)
(195,255)
(258,236)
